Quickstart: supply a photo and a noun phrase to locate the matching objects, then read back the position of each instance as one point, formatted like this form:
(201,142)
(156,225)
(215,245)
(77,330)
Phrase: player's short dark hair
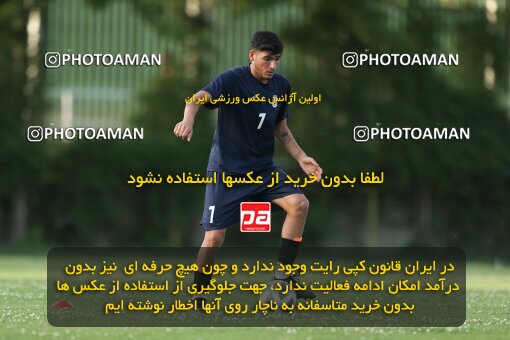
(267,41)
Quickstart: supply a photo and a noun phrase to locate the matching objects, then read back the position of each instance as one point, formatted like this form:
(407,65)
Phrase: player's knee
(213,238)
(300,205)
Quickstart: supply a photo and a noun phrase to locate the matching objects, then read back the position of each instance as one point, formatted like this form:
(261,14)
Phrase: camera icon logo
(35,133)
(52,59)
(350,59)
(361,133)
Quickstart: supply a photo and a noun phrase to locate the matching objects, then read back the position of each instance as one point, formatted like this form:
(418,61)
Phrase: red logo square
(256,217)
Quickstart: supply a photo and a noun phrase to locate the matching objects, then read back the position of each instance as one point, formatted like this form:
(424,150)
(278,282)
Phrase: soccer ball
(279,296)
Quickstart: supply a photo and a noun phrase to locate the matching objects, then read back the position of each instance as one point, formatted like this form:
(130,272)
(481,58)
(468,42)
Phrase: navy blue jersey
(244,136)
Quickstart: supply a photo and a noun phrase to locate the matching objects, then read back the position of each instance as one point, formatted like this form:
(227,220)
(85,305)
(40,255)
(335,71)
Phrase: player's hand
(184,130)
(310,167)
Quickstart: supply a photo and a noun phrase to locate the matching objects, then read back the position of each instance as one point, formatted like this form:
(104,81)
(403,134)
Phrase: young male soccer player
(244,142)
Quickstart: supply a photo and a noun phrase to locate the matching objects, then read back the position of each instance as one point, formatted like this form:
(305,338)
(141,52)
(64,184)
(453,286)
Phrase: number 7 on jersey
(262,115)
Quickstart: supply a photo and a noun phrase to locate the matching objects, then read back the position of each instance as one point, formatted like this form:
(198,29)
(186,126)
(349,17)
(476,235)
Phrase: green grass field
(23,304)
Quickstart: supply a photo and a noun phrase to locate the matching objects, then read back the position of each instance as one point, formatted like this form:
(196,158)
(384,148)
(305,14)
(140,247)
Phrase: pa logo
(256,217)
(275,103)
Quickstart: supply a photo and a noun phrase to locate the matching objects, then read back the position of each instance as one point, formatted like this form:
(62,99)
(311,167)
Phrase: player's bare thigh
(214,238)
(295,204)
(296,207)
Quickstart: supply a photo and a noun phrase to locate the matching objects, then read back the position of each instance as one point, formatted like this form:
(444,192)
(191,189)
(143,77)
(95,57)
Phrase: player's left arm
(308,164)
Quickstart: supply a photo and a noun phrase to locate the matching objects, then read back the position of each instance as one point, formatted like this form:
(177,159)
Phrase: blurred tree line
(434,193)
(447,193)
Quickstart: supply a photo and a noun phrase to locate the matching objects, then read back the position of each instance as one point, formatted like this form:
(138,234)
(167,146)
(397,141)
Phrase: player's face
(264,64)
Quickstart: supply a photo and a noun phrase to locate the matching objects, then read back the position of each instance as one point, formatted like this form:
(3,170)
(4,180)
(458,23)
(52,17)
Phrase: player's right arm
(184,129)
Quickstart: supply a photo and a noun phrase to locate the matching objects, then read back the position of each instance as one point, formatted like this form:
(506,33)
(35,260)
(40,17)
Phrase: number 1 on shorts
(211,209)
